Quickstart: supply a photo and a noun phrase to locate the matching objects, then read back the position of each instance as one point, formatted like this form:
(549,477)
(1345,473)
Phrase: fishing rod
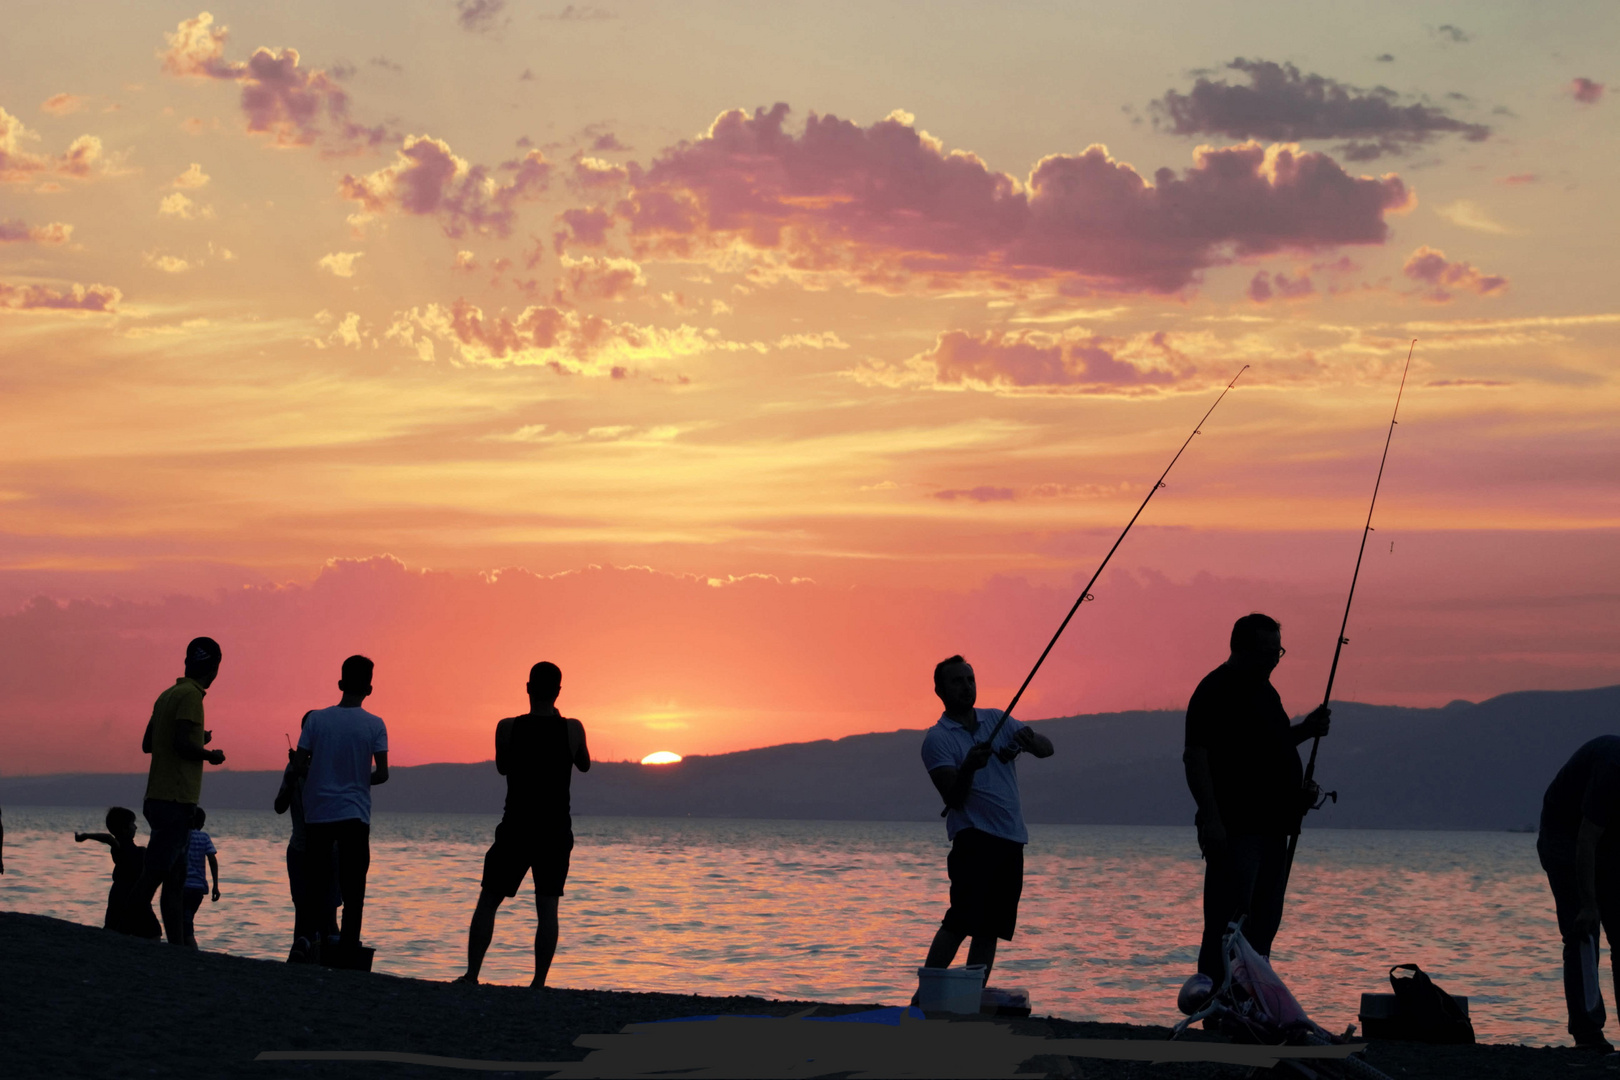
(1085,593)
(1314,800)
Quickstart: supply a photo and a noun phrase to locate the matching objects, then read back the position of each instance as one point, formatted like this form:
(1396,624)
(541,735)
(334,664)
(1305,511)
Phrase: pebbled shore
(77,1001)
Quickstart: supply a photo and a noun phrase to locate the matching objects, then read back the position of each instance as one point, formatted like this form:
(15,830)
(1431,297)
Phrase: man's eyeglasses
(1281,652)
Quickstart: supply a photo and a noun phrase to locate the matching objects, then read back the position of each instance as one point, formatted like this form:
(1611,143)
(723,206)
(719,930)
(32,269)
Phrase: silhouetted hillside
(1464,766)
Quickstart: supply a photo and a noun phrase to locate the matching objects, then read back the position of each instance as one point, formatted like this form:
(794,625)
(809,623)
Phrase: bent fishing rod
(1085,593)
(1313,800)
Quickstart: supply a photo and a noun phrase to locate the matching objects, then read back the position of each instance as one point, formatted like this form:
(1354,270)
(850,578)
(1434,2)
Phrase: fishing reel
(1315,798)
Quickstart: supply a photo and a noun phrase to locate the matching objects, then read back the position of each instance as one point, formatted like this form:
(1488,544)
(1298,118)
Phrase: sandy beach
(78,1001)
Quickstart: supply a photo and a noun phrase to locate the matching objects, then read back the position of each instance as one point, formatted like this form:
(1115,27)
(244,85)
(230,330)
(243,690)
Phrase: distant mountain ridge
(1463,766)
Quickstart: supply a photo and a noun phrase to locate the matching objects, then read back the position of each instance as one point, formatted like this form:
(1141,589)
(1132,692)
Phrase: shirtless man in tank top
(537,753)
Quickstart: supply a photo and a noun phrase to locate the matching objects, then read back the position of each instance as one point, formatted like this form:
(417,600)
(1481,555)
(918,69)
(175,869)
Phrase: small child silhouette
(123,913)
(200,847)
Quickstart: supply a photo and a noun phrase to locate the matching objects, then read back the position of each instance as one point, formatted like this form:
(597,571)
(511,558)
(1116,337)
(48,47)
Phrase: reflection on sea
(844,911)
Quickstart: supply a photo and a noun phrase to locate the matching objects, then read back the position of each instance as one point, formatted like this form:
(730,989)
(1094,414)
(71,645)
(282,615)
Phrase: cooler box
(953,990)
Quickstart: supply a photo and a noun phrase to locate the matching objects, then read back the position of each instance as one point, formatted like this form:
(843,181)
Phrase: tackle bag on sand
(1423,1011)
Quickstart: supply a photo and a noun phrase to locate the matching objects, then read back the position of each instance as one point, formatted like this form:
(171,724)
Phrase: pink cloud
(293,104)
(1586,91)
(63,104)
(591,278)
(481,16)
(1431,267)
(1264,286)
(889,200)
(592,174)
(1519,179)
(732,649)
(97,298)
(18,165)
(1032,358)
(607,142)
(1282,103)
(587,227)
(427,179)
(20,232)
(568,341)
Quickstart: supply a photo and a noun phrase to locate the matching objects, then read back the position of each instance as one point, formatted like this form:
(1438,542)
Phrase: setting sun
(662,757)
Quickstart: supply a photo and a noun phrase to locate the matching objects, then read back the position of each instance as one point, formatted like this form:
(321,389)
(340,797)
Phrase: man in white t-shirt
(985,821)
(336,749)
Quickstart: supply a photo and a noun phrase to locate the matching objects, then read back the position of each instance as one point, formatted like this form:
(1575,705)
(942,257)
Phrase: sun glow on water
(661,757)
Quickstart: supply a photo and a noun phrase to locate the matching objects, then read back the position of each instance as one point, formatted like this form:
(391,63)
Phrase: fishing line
(1314,796)
(1085,593)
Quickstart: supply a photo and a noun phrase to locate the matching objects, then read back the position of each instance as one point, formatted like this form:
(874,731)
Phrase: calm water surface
(844,911)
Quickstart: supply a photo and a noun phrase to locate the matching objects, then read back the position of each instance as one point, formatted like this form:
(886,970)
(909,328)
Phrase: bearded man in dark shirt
(1244,771)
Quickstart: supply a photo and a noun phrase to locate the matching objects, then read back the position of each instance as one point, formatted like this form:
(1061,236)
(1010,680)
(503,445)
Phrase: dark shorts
(987,878)
(518,849)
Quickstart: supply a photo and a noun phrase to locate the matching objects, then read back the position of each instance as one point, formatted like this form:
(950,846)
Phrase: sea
(844,911)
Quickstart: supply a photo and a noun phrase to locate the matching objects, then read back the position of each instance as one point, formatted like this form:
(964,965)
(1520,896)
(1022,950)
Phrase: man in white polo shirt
(337,747)
(985,821)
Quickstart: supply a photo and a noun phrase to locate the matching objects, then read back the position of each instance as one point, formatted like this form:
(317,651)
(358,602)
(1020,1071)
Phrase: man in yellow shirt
(175,738)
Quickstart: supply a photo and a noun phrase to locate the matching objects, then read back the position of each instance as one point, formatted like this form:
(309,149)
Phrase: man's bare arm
(954,783)
(576,746)
(381,775)
(1201,782)
(194,751)
(503,743)
(1035,743)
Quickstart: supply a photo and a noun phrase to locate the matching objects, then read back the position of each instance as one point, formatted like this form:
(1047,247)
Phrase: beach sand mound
(80,1001)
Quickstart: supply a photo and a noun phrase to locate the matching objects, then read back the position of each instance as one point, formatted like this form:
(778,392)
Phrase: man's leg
(982,950)
(1582,996)
(545,937)
(1608,889)
(194,899)
(1266,899)
(319,840)
(170,826)
(354,862)
(1229,875)
(481,932)
(296,884)
(943,949)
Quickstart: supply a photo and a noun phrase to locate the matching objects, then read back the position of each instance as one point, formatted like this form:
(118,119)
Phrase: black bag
(1426,1013)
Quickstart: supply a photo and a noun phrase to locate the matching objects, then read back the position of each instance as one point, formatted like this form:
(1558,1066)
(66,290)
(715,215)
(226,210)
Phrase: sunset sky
(746,359)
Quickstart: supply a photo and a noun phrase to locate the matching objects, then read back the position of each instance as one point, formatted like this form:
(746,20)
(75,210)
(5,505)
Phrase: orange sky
(467,335)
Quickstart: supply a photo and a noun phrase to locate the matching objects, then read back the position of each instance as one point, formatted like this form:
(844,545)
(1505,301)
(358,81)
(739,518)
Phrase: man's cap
(203,650)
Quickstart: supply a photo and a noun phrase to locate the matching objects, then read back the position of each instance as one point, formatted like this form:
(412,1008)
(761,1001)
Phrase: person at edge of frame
(1243,768)
(984,819)
(1579,847)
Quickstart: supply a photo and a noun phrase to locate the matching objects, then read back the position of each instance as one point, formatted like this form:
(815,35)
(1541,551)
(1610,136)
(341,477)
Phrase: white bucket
(952,990)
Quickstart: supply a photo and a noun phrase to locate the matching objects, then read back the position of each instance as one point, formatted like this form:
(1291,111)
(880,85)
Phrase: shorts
(519,849)
(987,878)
